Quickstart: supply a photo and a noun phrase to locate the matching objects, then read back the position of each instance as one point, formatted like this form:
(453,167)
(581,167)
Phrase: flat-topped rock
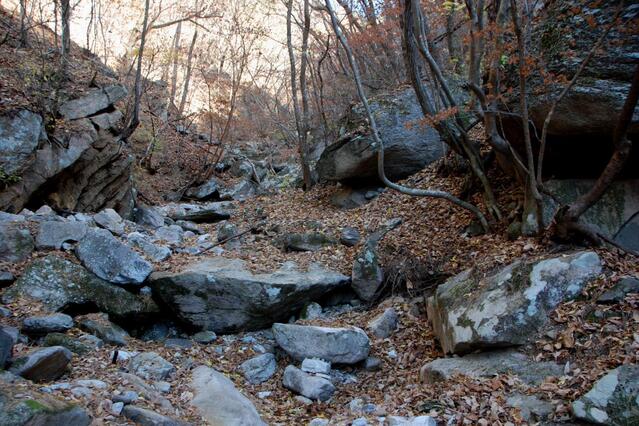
(21,406)
(94,101)
(110,259)
(60,284)
(336,345)
(52,234)
(510,306)
(222,295)
(44,324)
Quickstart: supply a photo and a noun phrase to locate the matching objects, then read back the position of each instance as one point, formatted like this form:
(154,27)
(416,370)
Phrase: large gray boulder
(509,307)
(489,364)
(104,255)
(219,402)
(337,345)
(209,190)
(94,101)
(16,243)
(22,406)
(111,220)
(222,295)
(613,400)
(52,234)
(42,365)
(312,387)
(61,285)
(408,147)
(20,133)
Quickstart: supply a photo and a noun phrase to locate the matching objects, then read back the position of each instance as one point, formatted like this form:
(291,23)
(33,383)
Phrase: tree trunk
(187,77)
(174,57)
(65,42)
(24,42)
(135,116)
(301,128)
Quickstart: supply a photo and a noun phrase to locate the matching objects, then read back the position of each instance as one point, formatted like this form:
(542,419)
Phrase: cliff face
(80,164)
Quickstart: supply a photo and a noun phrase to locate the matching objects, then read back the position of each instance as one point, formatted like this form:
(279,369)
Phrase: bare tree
(65,39)
(300,120)
(187,77)
(134,121)
(378,140)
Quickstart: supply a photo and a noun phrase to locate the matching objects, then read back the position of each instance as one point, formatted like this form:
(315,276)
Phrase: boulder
(107,120)
(613,400)
(259,369)
(209,190)
(100,326)
(111,220)
(489,364)
(75,345)
(367,274)
(42,365)
(47,324)
(172,234)
(198,213)
(154,252)
(383,325)
(312,387)
(618,293)
(62,285)
(16,244)
(408,147)
(219,402)
(314,365)
(144,417)
(510,306)
(52,234)
(336,345)
(150,366)
(226,230)
(222,295)
(241,191)
(615,215)
(108,258)
(204,337)
(349,236)
(94,101)
(26,407)
(20,134)
(306,242)
(148,216)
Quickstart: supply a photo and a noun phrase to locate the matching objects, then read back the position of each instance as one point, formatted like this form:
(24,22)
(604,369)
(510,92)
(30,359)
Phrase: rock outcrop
(222,295)
(83,167)
(408,147)
(508,307)
(580,132)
